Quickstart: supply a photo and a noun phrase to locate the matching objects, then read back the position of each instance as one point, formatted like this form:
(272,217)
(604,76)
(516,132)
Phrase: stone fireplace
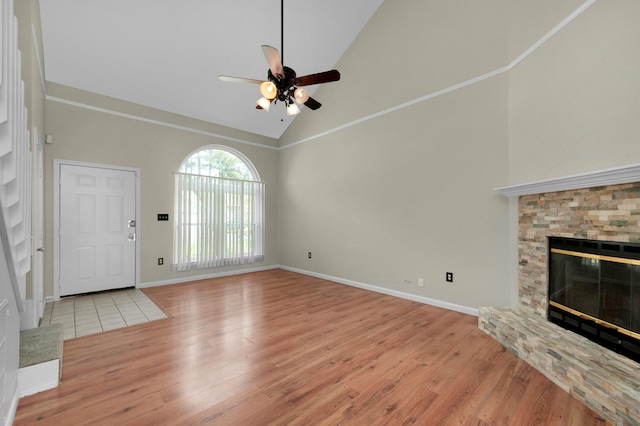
(609,213)
(605,381)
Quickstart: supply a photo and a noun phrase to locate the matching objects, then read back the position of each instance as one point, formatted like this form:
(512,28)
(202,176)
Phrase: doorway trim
(37,227)
(57,164)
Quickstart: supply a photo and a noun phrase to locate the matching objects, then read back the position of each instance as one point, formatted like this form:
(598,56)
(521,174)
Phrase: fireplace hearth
(594,290)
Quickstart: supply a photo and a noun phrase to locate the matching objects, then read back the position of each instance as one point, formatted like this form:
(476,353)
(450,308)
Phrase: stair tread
(42,344)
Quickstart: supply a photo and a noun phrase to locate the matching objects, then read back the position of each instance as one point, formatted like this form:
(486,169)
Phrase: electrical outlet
(420,282)
(309,255)
(449,277)
(161,261)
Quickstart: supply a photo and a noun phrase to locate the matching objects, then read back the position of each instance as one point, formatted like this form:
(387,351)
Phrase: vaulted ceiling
(167,54)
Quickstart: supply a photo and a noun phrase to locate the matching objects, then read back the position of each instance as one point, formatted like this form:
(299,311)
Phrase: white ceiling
(167,54)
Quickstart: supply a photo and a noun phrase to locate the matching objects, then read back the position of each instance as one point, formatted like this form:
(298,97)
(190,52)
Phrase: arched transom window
(219,210)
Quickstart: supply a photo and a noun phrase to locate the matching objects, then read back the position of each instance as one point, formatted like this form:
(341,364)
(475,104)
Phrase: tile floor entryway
(94,313)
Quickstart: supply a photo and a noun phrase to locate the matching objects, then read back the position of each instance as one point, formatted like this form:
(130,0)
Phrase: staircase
(15,159)
(15,208)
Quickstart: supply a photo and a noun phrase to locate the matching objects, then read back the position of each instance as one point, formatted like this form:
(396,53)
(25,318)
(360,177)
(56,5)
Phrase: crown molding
(152,121)
(613,176)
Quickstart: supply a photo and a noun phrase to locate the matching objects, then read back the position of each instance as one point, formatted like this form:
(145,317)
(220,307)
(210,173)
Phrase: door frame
(37,227)
(57,164)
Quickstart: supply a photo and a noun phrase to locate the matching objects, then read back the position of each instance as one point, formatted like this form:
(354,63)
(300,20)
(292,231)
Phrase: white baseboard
(13,408)
(38,378)
(207,276)
(427,301)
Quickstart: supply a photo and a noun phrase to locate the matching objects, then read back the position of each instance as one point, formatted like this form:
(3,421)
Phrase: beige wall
(529,21)
(28,14)
(407,194)
(409,49)
(567,107)
(574,102)
(84,131)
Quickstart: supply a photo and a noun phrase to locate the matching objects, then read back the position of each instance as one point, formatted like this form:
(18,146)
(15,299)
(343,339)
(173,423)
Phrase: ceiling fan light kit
(282,84)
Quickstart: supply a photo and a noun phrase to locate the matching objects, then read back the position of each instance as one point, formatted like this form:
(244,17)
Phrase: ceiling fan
(282,83)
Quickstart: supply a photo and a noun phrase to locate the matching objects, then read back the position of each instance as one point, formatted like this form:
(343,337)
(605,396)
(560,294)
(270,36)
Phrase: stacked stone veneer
(603,380)
(605,213)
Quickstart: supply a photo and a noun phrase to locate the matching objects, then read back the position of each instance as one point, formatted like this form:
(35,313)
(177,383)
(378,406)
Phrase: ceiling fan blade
(321,77)
(273,59)
(239,79)
(312,104)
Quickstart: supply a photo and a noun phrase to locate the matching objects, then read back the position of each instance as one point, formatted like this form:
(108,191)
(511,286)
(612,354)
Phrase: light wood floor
(279,348)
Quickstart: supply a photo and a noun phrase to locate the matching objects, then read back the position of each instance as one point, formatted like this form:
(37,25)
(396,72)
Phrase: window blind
(218,222)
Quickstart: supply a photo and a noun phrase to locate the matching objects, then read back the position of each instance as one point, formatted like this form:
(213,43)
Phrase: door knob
(132,237)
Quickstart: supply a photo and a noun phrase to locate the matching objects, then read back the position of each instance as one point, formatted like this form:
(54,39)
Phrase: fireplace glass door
(594,289)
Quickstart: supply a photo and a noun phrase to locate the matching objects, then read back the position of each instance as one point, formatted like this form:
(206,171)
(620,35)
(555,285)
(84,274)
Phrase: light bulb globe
(293,109)
(268,90)
(264,103)
(301,95)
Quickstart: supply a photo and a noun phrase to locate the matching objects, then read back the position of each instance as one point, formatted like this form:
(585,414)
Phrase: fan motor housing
(285,85)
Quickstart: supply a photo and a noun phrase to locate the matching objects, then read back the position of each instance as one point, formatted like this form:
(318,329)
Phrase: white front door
(97,234)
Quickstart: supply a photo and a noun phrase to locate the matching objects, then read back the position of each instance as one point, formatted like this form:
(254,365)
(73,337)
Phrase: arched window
(219,210)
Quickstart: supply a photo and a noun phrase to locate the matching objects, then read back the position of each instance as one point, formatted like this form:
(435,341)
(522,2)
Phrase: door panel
(115,260)
(96,251)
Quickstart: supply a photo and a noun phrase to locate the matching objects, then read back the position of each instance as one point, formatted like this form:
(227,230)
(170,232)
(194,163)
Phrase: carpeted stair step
(41,351)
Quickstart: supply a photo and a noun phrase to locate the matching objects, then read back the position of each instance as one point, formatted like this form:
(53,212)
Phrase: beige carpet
(42,344)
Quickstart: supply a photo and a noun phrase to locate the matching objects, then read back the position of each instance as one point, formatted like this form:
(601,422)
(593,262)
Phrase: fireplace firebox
(594,290)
